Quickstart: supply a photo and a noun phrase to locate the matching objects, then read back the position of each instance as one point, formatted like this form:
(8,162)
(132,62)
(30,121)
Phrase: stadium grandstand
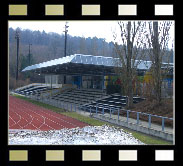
(85,84)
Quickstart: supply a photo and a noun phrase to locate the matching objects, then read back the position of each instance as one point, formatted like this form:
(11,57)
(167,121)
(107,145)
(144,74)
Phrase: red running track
(25,115)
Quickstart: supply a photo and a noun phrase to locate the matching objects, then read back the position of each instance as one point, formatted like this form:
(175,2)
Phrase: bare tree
(131,40)
(94,46)
(82,45)
(104,48)
(158,38)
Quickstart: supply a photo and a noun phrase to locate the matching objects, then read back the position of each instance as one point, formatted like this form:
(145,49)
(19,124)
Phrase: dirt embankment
(151,107)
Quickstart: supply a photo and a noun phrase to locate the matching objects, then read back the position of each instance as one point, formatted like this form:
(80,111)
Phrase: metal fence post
(118,114)
(126,100)
(137,117)
(163,123)
(90,110)
(103,110)
(96,109)
(149,120)
(127,115)
(110,112)
(78,107)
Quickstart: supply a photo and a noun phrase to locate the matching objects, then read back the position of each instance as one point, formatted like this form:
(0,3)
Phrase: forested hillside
(48,46)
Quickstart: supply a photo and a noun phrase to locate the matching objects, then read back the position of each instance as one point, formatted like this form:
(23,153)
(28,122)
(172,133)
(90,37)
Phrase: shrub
(13,84)
(113,89)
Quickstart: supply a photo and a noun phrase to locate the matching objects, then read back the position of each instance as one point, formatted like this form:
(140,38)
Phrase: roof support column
(103,82)
(64,79)
(81,81)
(51,81)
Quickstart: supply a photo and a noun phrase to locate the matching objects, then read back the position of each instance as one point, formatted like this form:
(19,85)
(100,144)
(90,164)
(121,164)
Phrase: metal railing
(117,112)
(107,111)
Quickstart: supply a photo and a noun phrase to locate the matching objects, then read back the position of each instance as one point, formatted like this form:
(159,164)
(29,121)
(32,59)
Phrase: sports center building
(83,71)
(86,78)
(85,82)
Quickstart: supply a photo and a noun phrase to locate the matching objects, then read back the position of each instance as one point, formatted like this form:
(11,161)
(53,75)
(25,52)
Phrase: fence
(116,113)
(112,113)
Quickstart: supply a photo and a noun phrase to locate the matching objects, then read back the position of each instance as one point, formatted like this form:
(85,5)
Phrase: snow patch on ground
(89,135)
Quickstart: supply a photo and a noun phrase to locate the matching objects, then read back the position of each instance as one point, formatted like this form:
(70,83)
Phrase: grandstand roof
(82,64)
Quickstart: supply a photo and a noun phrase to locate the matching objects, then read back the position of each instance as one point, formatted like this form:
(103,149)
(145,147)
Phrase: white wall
(51,78)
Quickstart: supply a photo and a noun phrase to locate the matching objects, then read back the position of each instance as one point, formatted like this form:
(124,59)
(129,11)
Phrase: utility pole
(29,54)
(17,37)
(157,62)
(65,49)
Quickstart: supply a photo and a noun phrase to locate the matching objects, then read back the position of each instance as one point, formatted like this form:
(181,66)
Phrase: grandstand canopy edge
(87,71)
(79,64)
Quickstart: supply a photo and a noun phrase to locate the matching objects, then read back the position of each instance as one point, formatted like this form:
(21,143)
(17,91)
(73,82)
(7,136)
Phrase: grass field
(91,121)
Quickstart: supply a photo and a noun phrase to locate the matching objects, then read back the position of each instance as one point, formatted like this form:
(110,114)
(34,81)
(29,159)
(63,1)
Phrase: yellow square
(127,155)
(90,9)
(54,155)
(91,155)
(54,9)
(127,9)
(17,10)
(18,155)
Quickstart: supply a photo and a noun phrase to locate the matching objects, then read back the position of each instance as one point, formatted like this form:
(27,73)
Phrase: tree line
(48,46)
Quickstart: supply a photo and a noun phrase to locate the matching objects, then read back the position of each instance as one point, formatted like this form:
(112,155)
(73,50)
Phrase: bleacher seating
(79,96)
(86,98)
(33,90)
(113,102)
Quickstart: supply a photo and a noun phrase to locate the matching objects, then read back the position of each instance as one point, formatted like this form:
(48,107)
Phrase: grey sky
(100,29)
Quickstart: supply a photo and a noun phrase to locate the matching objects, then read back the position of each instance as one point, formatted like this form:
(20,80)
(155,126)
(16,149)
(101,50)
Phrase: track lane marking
(44,114)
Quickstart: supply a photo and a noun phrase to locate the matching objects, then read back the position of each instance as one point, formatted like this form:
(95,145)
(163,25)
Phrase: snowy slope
(89,135)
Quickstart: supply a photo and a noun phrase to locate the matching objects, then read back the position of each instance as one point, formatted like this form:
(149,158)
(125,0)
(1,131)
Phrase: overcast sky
(100,29)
